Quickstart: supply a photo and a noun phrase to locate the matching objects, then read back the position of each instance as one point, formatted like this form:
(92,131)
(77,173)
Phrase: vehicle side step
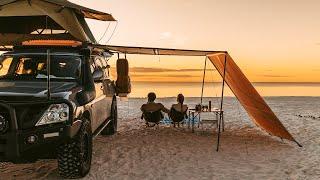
(98,131)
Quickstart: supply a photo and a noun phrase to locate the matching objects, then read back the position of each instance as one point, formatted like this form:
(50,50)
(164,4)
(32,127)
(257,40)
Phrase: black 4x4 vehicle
(53,101)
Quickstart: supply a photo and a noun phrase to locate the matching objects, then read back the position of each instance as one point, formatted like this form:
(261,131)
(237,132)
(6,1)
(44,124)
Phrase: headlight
(3,124)
(54,114)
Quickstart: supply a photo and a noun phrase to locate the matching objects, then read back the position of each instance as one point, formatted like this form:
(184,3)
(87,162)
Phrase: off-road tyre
(113,125)
(74,157)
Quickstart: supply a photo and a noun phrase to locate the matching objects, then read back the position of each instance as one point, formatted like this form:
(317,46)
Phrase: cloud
(275,76)
(165,35)
(152,70)
(198,70)
(165,76)
(143,69)
(318,44)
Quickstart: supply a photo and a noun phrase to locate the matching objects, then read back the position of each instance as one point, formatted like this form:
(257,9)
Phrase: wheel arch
(86,114)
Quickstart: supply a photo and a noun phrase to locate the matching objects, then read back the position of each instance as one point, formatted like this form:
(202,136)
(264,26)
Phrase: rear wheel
(74,157)
(113,124)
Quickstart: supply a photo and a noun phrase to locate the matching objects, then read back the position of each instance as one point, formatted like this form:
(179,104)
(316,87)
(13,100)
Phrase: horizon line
(221,81)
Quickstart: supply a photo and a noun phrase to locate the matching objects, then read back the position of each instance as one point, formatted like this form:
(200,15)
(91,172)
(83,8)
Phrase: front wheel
(113,124)
(74,157)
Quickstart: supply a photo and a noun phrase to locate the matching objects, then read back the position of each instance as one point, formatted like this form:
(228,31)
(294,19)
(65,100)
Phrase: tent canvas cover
(23,20)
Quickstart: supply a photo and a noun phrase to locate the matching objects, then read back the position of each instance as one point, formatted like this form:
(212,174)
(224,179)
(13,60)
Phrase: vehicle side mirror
(84,97)
(98,75)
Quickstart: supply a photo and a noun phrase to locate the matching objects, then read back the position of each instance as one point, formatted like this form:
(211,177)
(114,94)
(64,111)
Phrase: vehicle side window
(92,65)
(104,62)
(98,62)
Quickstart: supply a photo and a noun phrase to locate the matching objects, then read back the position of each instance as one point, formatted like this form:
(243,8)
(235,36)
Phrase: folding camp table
(193,113)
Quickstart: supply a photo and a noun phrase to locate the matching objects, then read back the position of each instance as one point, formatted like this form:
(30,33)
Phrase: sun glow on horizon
(271,41)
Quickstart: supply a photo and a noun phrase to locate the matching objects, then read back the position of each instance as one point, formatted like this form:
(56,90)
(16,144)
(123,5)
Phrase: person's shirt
(177,107)
(152,107)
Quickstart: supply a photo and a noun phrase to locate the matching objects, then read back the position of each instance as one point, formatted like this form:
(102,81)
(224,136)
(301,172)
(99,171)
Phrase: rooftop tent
(260,113)
(23,20)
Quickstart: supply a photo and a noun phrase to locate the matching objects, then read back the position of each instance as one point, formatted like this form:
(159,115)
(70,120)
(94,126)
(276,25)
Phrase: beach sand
(246,152)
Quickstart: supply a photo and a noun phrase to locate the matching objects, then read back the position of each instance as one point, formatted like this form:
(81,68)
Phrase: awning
(156,51)
(259,111)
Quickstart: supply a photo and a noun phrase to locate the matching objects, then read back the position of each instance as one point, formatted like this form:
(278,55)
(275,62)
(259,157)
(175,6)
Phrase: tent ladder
(221,103)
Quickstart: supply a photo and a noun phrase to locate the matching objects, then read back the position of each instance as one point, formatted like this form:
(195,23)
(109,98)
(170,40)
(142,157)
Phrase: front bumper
(14,146)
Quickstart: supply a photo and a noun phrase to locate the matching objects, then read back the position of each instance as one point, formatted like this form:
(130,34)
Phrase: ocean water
(170,89)
(286,108)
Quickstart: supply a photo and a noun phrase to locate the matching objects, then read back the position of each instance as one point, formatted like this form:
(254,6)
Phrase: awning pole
(221,104)
(203,79)
(298,143)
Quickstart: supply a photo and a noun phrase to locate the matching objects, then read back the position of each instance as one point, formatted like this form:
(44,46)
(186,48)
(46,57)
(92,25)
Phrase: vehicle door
(96,113)
(102,104)
(108,84)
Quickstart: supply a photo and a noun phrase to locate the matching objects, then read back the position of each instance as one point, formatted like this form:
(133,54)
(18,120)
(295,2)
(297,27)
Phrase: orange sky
(274,40)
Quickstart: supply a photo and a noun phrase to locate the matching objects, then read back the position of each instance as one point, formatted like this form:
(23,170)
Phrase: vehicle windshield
(27,67)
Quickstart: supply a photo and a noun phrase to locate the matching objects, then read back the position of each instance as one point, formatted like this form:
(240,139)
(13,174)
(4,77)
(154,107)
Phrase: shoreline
(228,97)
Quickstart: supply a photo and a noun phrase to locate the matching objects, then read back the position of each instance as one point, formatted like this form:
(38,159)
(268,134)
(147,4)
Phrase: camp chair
(177,116)
(152,117)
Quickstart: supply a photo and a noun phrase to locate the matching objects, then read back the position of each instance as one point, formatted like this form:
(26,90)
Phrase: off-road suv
(53,101)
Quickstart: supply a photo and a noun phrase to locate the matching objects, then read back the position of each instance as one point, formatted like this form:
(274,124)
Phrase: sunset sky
(272,41)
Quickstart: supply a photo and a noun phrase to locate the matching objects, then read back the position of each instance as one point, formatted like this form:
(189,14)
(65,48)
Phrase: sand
(246,152)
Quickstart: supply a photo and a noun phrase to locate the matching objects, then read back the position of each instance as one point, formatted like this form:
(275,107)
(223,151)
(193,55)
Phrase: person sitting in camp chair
(178,112)
(152,112)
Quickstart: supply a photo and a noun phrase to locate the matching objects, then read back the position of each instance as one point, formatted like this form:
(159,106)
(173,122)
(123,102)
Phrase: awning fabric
(23,17)
(248,96)
(156,51)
